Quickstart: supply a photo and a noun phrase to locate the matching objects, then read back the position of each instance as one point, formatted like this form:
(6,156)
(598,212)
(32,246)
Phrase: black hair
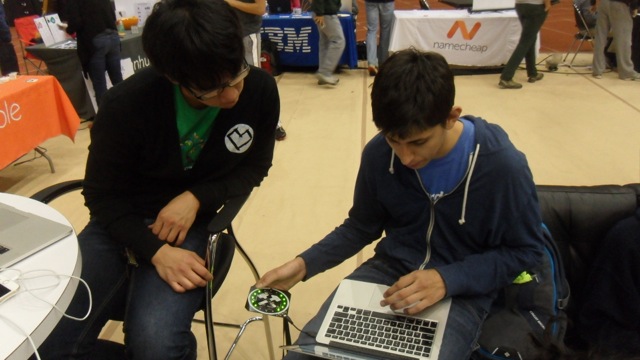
(413,91)
(196,43)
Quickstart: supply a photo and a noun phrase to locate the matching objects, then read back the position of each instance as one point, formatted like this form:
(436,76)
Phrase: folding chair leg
(240,332)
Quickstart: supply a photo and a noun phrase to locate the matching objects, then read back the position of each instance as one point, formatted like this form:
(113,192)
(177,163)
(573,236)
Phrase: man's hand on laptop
(415,291)
(285,276)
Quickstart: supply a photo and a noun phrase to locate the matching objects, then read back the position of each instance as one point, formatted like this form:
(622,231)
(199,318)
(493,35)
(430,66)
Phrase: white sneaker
(326,80)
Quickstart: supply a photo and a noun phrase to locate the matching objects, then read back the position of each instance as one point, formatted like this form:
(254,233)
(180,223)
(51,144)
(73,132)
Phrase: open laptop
(357,327)
(279,6)
(492,5)
(23,234)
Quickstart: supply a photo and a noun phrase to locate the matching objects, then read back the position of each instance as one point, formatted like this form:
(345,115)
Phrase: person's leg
(333,44)
(114,67)
(621,26)
(372,33)
(98,65)
(157,324)
(600,40)
(252,49)
(105,269)
(386,24)
(537,18)
(527,36)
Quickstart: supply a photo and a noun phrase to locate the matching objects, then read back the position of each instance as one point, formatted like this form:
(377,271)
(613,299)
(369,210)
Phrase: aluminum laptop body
(355,295)
(23,234)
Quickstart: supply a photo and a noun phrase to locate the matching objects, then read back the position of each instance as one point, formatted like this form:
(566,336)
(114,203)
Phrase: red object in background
(265,62)
(295,4)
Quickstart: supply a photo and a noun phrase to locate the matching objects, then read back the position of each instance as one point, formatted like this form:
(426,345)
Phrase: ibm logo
(288,40)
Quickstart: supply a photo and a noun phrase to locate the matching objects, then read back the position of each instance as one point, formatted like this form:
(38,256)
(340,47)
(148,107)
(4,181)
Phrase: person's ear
(453,117)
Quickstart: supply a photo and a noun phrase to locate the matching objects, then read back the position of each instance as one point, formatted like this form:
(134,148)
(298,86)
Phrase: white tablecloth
(463,38)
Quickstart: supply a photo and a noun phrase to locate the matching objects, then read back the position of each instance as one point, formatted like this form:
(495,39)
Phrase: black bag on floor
(528,315)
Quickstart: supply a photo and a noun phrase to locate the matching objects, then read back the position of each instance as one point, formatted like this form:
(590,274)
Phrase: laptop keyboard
(382,333)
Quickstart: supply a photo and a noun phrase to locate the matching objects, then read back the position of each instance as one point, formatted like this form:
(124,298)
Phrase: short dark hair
(197,43)
(413,91)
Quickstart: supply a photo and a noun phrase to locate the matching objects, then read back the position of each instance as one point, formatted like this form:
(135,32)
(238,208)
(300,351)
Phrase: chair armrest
(225,216)
(52,192)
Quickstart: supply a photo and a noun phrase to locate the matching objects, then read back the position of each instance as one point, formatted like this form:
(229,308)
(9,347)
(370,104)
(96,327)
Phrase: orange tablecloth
(32,110)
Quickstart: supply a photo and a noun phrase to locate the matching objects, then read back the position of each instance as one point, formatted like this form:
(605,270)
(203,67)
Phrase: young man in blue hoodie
(452,195)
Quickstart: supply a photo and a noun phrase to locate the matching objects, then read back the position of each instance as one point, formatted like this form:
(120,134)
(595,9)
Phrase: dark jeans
(157,320)
(531,18)
(105,57)
(8,58)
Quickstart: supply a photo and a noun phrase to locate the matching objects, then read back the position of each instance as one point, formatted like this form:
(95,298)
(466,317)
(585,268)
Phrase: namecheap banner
(462,38)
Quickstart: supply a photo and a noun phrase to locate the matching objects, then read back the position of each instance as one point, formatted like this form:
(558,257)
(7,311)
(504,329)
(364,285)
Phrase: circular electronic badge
(268,301)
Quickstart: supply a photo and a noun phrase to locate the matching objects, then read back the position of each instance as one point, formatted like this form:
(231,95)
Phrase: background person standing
(615,16)
(8,58)
(325,15)
(532,14)
(379,12)
(250,14)
(94,23)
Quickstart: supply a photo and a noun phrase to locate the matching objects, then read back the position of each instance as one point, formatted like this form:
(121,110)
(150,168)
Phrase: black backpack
(528,316)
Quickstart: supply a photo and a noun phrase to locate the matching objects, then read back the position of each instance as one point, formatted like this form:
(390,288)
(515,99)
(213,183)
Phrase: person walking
(379,12)
(615,16)
(94,23)
(531,14)
(332,42)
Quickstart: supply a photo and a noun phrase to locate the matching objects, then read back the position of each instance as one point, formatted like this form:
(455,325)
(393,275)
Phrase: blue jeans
(463,324)
(157,320)
(105,57)
(331,45)
(531,18)
(378,13)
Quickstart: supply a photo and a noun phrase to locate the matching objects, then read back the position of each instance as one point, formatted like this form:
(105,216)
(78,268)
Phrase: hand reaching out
(415,291)
(285,276)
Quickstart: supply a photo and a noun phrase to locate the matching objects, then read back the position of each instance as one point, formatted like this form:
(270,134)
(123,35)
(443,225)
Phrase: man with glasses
(169,145)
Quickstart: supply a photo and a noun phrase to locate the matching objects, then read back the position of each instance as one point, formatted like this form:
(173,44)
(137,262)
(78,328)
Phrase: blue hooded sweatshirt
(479,236)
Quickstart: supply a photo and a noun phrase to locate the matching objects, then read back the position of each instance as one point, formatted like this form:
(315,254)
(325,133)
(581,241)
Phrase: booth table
(23,313)
(63,63)
(32,110)
(484,39)
(296,37)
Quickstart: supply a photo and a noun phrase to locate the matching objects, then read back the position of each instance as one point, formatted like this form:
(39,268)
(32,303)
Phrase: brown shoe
(509,84)
(535,78)
(373,70)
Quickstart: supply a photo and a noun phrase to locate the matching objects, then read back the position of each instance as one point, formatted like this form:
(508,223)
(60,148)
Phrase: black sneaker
(280,133)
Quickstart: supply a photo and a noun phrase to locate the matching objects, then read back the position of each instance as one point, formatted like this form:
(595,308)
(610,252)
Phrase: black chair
(221,246)
(584,34)
(424,5)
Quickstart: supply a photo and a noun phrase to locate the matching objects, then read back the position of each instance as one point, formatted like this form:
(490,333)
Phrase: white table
(31,315)
(465,39)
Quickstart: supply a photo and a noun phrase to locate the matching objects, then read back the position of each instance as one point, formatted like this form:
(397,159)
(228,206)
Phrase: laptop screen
(492,5)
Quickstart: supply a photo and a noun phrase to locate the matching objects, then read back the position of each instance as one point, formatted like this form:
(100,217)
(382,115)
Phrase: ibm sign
(289,39)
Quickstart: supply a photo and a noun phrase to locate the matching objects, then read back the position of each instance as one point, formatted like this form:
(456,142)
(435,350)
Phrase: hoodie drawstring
(472,163)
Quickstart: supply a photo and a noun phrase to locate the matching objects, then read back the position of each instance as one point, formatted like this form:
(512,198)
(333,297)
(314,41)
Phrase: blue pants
(105,57)
(157,320)
(463,324)
(378,13)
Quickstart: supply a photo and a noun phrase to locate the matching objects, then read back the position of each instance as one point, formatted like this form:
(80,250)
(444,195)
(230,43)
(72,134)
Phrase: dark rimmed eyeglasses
(210,94)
